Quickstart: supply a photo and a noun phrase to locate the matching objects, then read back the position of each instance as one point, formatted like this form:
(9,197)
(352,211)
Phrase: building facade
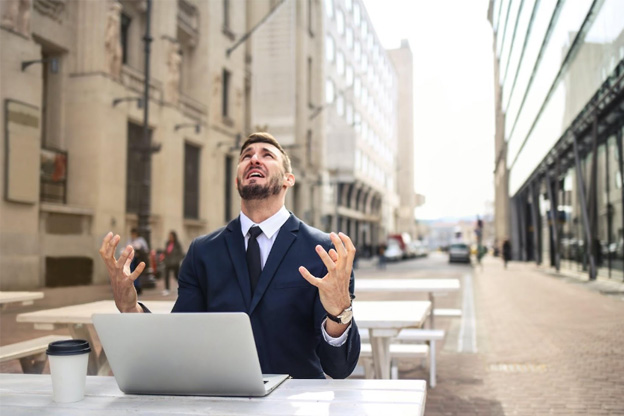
(361,100)
(71,76)
(72,82)
(559,69)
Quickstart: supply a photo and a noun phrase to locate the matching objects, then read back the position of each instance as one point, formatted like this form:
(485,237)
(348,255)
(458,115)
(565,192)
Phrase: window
(329,49)
(191,181)
(340,63)
(329,8)
(349,75)
(310,89)
(340,22)
(134,167)
(357,87)
(349,36)
(340,105)
(364,30)
(357,50)
(349,114)
(311,16)
(226,15)
(356,14)
(226,93)
(329,91)
(229,161)
(349,4)
(125,28)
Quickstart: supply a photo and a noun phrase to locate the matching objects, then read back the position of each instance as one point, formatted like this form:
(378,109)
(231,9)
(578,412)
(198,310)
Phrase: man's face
(260,172)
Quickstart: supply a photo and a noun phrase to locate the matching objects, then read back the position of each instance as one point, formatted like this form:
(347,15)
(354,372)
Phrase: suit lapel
(285,237)
(236,247)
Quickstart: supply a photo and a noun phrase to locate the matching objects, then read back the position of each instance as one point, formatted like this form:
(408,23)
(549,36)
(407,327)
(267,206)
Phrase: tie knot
(255,231)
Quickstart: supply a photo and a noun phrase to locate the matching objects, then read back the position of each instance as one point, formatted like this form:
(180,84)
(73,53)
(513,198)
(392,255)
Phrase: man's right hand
(122,280)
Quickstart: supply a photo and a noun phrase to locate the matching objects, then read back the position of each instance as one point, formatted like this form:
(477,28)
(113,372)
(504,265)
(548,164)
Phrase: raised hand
(121,278)
(334,286)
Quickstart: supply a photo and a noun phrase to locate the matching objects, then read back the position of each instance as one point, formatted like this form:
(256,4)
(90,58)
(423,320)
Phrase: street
(530,342)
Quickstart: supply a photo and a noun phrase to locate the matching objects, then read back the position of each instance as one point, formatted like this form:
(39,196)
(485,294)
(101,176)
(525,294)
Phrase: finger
(327,261)
(126,267)
(350,247)
(333,255)
(112,246)
(128,251)
(104,246)
(309,277)
(137,272)
(340,248)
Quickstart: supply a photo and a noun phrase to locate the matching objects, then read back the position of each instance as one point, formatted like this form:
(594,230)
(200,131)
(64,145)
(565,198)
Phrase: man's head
(264,168)
(134,232)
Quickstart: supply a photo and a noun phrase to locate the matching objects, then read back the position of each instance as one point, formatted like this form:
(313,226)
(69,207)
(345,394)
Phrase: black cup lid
(68,347)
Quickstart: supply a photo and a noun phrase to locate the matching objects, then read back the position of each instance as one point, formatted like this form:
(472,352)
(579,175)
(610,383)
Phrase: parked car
(404,240)
(393,251)
(459,252)
(418,248)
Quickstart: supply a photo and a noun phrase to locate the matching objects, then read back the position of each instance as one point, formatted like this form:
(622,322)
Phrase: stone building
(72,83)
(71,75)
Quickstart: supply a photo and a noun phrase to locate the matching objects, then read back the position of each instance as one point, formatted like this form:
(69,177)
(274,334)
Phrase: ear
(289,180)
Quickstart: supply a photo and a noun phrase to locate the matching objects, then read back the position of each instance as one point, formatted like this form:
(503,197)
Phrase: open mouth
(254,173)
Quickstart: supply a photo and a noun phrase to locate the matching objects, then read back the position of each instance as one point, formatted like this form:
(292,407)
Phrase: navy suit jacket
(285,310)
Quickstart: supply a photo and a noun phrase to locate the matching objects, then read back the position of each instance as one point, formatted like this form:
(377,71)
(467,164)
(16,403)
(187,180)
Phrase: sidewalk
(545,345)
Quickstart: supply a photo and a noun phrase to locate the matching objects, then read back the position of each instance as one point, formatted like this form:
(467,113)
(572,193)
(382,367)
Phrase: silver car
(459,252)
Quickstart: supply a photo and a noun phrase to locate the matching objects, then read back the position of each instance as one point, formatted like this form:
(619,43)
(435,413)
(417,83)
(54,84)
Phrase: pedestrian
(172,256)
(141,249)
(381,265)
(506,251)
(302,322)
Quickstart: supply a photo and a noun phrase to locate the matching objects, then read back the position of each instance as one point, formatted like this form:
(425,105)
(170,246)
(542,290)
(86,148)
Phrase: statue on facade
(113,40)
(174,63)
(16,16)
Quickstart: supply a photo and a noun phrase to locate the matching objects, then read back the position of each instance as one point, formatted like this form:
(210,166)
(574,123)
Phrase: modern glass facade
(559,68)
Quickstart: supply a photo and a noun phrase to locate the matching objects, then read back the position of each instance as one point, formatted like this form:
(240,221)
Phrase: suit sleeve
(339,362)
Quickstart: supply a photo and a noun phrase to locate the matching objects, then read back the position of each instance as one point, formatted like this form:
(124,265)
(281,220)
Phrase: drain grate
(518,368)
(612,292)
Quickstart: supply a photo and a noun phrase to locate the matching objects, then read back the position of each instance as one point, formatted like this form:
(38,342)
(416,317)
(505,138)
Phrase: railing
(53,176)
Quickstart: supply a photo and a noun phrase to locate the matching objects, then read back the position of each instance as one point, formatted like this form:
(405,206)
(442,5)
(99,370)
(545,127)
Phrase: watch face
(346,316)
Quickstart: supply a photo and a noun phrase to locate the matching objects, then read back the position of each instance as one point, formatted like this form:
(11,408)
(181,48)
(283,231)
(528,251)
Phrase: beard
(255,191)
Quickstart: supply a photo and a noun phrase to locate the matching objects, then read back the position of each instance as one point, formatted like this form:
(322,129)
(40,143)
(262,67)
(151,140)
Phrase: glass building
(559,69)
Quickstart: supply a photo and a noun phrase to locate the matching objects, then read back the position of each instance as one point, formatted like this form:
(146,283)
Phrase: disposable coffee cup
(68,366)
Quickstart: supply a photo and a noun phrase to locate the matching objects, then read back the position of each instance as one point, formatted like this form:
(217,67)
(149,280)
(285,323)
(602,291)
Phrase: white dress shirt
(270,228)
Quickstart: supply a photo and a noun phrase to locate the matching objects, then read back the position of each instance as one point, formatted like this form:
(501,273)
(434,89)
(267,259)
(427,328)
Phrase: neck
(259,210)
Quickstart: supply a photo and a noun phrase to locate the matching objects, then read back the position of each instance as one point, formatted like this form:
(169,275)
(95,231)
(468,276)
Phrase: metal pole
(586,227)
(534,222)
(554,220)
(618,141)
(146,146)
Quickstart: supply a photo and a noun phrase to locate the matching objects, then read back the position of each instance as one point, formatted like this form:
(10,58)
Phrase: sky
(451,43)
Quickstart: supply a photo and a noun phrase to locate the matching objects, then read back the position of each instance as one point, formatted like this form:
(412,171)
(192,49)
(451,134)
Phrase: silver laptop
(199,354)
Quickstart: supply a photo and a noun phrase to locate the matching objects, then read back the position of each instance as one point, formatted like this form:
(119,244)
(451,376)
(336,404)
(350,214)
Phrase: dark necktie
(254,264)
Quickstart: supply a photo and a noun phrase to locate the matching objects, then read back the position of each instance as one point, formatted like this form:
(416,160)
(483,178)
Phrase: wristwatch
(344,317)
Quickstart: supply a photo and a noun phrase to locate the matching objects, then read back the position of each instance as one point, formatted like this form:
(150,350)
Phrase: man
(297,290)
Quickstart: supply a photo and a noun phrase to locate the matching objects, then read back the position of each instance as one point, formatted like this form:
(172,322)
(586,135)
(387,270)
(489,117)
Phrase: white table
(77,318)
(25,298)
(25,394)
(430,286)
(384,320)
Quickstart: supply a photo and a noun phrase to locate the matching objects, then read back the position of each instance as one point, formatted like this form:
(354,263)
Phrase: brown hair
(264,137)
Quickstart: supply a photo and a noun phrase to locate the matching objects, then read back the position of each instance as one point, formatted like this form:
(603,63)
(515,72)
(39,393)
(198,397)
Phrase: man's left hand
(334,286)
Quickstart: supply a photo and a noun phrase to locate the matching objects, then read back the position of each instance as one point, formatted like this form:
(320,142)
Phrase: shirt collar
(270,226)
